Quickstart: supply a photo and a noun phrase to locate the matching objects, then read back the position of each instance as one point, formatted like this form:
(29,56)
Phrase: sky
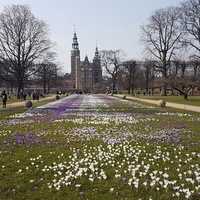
(107,24)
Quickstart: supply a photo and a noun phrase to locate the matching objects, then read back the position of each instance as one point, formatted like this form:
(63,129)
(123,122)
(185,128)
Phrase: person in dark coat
(4,98)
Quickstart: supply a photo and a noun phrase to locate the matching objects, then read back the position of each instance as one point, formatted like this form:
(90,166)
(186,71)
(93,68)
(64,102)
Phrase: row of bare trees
(26,51)
(171,40)
(182,76)
(172,35)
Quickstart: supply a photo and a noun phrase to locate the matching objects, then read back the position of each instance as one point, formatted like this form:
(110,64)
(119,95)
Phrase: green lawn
(192,100)
(13,98)
(11,110)
(86,148)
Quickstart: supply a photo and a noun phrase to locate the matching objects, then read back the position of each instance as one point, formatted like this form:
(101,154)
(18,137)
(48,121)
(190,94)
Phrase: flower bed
(95,147)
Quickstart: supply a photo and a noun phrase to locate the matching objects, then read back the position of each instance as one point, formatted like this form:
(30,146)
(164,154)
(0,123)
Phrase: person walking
(21,95)
(4,98)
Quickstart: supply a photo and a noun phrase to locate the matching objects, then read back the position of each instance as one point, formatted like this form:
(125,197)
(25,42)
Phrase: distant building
(85,75)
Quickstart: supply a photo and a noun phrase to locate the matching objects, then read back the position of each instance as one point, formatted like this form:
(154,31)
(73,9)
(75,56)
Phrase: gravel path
(168,104)
(22,103)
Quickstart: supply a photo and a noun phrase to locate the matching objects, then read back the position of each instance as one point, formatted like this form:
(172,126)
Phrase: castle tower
(75,62)
(85,75)
(97,70)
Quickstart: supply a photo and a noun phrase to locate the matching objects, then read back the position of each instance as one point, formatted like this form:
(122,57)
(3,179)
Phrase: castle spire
(75,41)
(96,56)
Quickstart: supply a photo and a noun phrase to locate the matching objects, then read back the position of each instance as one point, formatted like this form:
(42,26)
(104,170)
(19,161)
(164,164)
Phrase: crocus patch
(86,146)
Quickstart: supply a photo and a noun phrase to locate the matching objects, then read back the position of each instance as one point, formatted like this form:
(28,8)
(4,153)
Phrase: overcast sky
(109,24)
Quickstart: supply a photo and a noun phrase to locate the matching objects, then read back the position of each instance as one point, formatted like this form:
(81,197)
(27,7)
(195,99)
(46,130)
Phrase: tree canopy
(24,42)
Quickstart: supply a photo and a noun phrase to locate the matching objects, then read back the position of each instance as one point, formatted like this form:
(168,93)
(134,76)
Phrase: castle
(85,76)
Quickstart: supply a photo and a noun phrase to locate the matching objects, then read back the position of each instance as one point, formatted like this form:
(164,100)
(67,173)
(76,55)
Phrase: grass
(192,100)
(14,99)
(11,110)
(86,148)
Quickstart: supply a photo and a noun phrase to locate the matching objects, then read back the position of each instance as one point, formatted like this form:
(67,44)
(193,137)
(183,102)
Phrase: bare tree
(47,72)
(24,42)
(47,76)
(132,69)
(161,37)
(149,74)
(190,19)
(195,65)
(179,79)
(181,73)
(111,61)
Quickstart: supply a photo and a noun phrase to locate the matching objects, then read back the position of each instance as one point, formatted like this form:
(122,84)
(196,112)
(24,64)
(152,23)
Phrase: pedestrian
(21,94)
(4,98)
(34,95)
(37,96)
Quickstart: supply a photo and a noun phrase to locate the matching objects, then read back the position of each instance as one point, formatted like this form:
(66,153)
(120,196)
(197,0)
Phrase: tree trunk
(184,93)
(113,87)
(132,89)
(164,90)
(19,88)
